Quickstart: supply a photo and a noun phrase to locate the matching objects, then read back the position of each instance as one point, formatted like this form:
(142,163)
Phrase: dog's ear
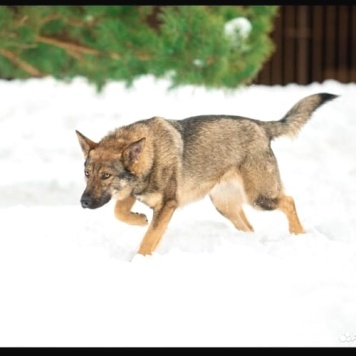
(132,152)
(85,143)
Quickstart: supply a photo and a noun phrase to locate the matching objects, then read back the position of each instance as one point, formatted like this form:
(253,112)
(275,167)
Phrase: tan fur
(123,212)
(168,163)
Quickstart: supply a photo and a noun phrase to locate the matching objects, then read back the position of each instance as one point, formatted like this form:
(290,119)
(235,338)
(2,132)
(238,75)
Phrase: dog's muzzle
(88,202)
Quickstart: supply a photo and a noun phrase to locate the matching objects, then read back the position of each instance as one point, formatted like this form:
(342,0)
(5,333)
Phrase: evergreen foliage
(188,44)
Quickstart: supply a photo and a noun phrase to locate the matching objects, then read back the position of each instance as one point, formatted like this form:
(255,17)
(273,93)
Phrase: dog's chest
(150,199)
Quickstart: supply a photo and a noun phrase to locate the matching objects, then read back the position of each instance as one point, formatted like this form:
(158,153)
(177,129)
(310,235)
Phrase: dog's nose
(86,201)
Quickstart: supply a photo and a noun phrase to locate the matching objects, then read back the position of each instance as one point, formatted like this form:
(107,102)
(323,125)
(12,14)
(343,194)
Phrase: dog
(167,163)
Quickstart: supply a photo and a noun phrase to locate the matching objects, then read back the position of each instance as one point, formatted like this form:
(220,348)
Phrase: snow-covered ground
(67,277)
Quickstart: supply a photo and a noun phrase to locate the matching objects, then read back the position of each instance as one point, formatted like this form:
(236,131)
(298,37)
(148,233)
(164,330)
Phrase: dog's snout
(91,202)
(86,201)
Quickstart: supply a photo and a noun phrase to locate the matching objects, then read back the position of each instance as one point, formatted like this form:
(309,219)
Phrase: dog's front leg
(123,212)
(161,217)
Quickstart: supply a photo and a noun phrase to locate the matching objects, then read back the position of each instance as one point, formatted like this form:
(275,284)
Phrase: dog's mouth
(89,202)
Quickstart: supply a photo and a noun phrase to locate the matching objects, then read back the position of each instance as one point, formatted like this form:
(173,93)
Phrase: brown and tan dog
(168,163)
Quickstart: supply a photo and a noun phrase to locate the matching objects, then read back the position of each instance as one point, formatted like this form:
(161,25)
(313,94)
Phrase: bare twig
(69,46)
(74,49)
(28,68)
(49,18)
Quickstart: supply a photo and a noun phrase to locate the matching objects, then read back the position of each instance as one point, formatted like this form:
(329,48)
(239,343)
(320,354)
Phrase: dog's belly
(229,185)
(230,190)
(190,193)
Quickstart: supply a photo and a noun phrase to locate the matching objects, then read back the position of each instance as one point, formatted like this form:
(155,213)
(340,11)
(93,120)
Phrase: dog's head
(111,170)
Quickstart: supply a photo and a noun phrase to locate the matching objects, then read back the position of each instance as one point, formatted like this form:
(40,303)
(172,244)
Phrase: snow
(237,30)
(70,276)
(239,24)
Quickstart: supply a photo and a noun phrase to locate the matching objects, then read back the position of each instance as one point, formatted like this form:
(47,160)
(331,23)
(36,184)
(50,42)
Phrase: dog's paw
(139,219)
(133,218)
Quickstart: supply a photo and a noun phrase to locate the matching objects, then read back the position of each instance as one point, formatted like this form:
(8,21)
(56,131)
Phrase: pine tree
(213,46)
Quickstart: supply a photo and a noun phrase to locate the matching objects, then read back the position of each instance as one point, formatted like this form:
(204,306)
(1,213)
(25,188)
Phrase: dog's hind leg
(227,199)
(123,212)
(244,219)
(264,190)
(287,206)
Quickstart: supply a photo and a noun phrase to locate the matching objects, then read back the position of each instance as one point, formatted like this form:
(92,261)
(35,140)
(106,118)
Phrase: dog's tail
(297,116)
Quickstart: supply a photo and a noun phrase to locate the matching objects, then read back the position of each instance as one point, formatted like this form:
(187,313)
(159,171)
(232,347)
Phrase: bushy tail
(297,116)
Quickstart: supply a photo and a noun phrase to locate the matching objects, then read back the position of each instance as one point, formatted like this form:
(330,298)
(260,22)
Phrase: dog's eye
(86,173)
(105,176)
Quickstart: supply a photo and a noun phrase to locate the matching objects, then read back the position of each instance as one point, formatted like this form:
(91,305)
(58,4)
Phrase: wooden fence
(313,44)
